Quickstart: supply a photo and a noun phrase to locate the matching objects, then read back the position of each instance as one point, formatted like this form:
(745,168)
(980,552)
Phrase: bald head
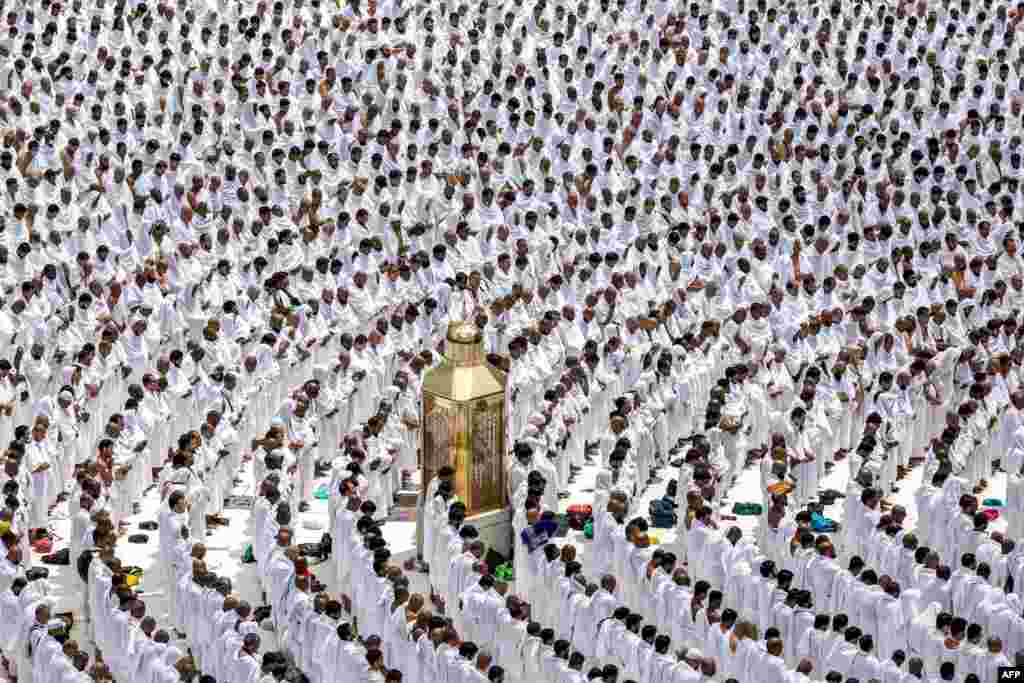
(148,625)
(251,643)
(708,667)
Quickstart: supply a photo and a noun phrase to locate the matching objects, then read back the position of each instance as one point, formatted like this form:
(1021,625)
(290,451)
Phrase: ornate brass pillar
(463,421)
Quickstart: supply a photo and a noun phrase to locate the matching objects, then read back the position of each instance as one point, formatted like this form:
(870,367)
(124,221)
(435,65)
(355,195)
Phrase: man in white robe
(245,665)
(281,572)
(461,576)
(37,626)
(44,478)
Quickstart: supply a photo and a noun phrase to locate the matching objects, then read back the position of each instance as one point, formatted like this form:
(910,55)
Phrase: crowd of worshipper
(705,240)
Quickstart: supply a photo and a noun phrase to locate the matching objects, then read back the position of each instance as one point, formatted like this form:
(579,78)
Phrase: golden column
(463,421)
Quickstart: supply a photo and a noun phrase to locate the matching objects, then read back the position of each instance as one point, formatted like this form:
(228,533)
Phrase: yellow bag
(783,487)
(133,576)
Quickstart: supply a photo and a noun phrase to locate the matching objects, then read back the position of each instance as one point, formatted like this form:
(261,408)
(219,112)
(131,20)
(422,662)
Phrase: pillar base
(495,529)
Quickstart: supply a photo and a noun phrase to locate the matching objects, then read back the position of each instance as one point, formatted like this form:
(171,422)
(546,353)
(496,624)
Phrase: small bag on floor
(310,550)
(37,573)
(533,537)
(830,496)
(133,575)
(577,516)
(238,502)
(747,509)
(504,572)
(822,525)
(62,556)
(247,555)
(663,514)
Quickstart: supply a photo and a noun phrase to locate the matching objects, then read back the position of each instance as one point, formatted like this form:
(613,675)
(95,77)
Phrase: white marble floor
(226,544)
